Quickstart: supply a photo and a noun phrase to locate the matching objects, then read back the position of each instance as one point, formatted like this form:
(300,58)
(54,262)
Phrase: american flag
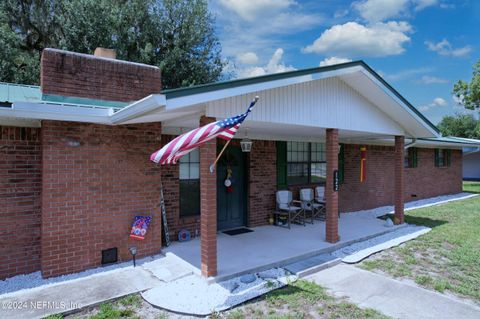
(187,142)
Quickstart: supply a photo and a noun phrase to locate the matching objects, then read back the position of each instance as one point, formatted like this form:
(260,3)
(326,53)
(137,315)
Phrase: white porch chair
(312,209)
(320,199)
(289,208)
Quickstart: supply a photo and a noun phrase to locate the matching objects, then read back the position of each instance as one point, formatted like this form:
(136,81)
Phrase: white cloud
(354,39)
(445,48)
(380,10)
(333,60)
(274,65)
(405,74)
(422,4)
(437,102)
(427,79)
(247,58)
(340,13)
(250,9)
(273,20)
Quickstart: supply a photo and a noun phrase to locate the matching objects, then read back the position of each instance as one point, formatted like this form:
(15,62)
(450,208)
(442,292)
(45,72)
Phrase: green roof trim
(82,101)
(204,88)
(451,139)
(11,92)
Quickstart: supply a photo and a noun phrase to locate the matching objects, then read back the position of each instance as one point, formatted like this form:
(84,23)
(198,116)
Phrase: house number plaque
(336,182)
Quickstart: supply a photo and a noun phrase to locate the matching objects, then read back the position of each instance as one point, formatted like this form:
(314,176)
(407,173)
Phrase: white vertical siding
(471,166)
(327,103)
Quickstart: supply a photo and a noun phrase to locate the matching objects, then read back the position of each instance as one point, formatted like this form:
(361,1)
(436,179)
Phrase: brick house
(75,169)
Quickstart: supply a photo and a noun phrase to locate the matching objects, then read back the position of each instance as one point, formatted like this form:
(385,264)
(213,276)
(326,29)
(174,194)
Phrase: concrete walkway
(389,296)
(78,293)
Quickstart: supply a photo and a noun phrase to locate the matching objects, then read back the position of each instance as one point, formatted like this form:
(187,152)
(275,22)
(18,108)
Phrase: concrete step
(311,265)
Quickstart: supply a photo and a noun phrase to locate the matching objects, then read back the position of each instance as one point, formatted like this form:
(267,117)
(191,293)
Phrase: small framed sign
(336,181)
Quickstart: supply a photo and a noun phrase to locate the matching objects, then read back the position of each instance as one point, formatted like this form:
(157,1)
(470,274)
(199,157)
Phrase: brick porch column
(331,197)
(399,189)
(208,206)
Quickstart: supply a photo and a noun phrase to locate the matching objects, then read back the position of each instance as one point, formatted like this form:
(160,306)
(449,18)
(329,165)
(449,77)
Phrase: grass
(128,307)
(473,187)
(298,300)
(301,299)
(447,259)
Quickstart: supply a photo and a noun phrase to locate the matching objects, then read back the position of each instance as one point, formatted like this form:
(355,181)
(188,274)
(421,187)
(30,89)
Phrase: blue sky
(421,47)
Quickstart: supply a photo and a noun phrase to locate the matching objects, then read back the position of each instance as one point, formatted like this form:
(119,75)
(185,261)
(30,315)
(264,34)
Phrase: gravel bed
(192,295)
(354,248)
(35,279)
(376,212)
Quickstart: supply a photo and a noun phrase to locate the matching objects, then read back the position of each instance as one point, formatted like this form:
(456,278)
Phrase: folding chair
(289,208)
(312,209)
(320,199)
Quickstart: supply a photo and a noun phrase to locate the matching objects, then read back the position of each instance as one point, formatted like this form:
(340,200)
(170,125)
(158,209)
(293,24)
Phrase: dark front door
(231,201)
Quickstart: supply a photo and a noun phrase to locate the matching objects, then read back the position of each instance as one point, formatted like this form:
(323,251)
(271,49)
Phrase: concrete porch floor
(273,246)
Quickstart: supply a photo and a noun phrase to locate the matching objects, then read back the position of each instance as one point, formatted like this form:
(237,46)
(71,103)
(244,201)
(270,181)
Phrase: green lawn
(447,258)
(301,299)
(473,187)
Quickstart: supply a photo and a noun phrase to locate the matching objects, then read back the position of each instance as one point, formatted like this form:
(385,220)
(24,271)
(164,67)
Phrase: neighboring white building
(471,164)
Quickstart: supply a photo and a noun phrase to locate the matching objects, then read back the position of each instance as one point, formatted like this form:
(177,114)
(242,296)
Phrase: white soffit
(374,91)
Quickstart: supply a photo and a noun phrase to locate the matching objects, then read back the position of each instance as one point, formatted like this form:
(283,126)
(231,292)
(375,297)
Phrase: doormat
(237,231)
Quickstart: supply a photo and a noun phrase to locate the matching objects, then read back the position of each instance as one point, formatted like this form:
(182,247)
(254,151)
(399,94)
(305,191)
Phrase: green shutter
(437,157)
(449,157)
(281,165)
(414,157)
(341,164)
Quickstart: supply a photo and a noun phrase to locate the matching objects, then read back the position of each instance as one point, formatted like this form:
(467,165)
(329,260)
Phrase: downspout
(412,143)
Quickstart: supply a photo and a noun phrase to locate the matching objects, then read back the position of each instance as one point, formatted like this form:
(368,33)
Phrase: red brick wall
(87,76)
(261,196)
(424,181)
(20,200)
(263,182)
(95,180)
(171,191)
(376,191)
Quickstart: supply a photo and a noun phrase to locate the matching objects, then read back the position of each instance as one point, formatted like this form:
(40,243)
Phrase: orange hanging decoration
(363,163)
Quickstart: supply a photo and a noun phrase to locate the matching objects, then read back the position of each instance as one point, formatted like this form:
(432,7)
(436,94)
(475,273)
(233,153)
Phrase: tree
(468,94)
(176,35)
(460,125)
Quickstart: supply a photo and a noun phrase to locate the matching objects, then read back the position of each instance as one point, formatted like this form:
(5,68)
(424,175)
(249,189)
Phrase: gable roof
(175,103)
(211,87)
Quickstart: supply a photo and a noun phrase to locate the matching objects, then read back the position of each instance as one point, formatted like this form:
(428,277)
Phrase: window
(190,184)
(443,158)
(306,163)
(410,160)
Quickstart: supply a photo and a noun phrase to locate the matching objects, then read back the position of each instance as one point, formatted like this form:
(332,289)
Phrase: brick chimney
(99,76)
(105,53)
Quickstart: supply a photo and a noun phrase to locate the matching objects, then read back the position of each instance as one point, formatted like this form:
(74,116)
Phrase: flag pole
(212,167)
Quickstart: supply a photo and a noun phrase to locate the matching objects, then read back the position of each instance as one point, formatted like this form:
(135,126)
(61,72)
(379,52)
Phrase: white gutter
(411,144)
(70,112)
(138,108)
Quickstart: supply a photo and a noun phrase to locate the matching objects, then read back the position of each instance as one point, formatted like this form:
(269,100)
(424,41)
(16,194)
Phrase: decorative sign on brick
(140,226)
(336,180)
